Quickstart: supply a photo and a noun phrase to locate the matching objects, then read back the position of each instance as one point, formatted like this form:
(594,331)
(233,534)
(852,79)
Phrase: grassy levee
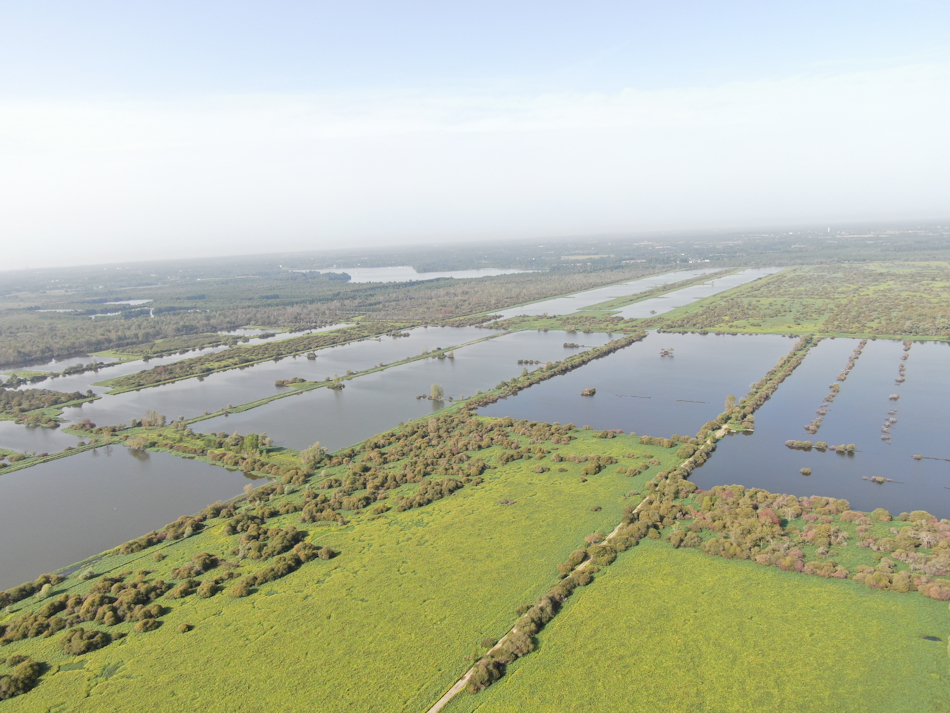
(674,630)
(385,626)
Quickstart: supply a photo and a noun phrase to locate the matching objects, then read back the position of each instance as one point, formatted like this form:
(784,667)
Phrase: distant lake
(407,274)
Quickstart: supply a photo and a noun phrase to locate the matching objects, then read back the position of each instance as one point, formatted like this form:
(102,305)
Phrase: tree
(730,402)
(251,443)
(437,392)
(312,455)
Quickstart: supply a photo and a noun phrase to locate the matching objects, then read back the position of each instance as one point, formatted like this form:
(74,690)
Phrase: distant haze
(134,134)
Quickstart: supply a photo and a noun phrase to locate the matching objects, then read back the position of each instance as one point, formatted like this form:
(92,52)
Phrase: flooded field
(857,415)
(380,401)
(191,397)
(640,390)
(583,300)
(693,293)
(61,512)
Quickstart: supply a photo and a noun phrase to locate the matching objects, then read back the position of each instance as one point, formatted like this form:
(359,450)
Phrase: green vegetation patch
(665,630)
(879,300)
(389,623)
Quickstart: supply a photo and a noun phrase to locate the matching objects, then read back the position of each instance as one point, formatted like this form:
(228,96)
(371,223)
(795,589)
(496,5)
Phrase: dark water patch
(64,511)
(761,459)
(380,401)
(640,390)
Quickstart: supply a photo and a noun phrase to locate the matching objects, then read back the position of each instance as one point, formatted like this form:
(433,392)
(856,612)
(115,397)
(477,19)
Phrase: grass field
(891,300)
(385,626)
(674,630)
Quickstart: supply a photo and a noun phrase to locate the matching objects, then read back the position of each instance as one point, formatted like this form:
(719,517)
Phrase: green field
(890,300)
(385,626)
(674,630)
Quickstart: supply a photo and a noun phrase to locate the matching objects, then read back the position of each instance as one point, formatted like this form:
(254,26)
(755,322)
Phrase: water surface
(29,439)
(61,512)
(640,390)
(582,300)
(380,401)
(193,397)
(855,416)
(694,293)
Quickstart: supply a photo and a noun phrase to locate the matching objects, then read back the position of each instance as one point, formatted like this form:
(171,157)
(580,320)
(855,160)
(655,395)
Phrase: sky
(166,129)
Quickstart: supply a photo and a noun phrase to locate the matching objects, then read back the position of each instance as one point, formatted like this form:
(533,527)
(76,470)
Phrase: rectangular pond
(640,390)
(64,511)
(857,415)
(380,401)
(193,397)
(694,293)
(582,300)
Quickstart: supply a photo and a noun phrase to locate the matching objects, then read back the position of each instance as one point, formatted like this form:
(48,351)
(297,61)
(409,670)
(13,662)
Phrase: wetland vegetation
(575,482)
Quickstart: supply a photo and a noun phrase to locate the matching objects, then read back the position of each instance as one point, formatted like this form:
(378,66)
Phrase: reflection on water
(60,512)
(215,391)
(640,390)
(855,416)
(380,401)
(17,437)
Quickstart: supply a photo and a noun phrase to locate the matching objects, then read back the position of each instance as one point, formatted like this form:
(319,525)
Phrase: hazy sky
(160,129)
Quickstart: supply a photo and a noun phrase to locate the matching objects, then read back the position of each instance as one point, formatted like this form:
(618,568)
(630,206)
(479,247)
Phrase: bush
(26,674)
(78,641)
(147,625)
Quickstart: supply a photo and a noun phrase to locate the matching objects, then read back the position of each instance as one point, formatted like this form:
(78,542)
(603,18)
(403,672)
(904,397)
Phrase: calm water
(58,513)
(380,401)
(639,390)
(856,416)
(192,397)
(88,380)
(406,274)
(16,437)
(56,365)
(582,300)
(694,293)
